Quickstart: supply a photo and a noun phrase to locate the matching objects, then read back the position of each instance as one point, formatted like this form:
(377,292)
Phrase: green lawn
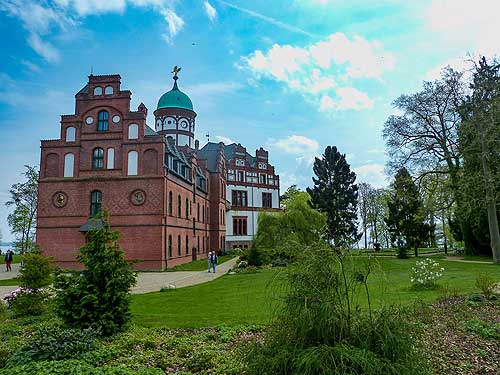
(9,282)
(199,265)
(250,298)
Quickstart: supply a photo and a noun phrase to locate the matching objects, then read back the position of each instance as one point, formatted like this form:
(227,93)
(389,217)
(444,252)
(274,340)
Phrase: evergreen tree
(406,215)
(99,295)
(336,194)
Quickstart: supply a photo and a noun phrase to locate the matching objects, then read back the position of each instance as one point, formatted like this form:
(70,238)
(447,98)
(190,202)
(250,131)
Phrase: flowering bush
(425,273)
(26,301)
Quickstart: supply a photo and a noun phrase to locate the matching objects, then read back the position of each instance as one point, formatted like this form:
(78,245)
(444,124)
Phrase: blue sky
(291,76)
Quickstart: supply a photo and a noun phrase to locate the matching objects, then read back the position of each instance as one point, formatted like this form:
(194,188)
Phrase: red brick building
(164,200)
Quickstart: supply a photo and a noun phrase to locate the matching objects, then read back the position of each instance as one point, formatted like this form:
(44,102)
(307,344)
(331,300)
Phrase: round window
(116,119)
(89,120)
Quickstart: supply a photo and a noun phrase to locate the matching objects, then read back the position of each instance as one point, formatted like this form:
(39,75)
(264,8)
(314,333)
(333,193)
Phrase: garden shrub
(425,273)
(486,284)
(98,296)
(320,330)
(32,298)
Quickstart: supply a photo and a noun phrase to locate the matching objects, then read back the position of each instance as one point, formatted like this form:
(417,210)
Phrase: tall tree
(336,194)
(424,137)
(406,215)
(24,199)
(480,135)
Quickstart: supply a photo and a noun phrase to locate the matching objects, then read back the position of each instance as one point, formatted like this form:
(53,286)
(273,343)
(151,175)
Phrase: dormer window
(108,90)
(97,91)
(103,121)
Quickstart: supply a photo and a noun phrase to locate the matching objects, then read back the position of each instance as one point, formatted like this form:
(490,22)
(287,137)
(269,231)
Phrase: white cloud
(305,149)
(31,66)
(464,23)
(458,63)
(317,70)
(47,19)
(210,10)
(351,98)
(225,140)
(371,173)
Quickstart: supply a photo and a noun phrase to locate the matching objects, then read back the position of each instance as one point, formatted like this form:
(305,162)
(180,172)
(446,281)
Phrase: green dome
(175,98)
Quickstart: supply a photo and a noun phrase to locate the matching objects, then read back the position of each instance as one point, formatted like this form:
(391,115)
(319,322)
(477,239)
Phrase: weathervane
(176,70)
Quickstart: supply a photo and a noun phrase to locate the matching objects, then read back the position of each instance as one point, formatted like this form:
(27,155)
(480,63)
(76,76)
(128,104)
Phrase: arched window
(132,163)
(179,245)
(187,245)
(97,90)
(179,208)
(98,158)
(170,203)
(70,134)
(187,208)
(95,202)
(133,131)
(102,121)
(110,163)
(108,90)
(69,165)
(170,246)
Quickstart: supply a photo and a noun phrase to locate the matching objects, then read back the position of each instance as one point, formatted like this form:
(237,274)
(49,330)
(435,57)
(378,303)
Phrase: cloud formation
(45,20)
(325,72)
(373,174)
(305,149)
(210,10)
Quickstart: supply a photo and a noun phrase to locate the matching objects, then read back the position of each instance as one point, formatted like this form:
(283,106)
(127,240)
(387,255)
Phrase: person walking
(213,260)
(209,261)
(9,255)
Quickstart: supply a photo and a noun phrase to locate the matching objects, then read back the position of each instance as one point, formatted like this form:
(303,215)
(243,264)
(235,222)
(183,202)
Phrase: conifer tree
(99,295)
(406,215)
(336,194)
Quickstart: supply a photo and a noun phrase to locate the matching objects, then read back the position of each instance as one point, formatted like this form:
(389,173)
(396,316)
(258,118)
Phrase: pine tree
(406,215)
(99,295)
(336,194)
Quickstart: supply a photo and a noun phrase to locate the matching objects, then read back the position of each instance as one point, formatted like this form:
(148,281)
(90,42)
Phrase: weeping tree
(480,141)
(336,194)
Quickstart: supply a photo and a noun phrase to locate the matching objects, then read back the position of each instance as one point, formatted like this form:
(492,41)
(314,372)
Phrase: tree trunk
(490,202)
(445,240)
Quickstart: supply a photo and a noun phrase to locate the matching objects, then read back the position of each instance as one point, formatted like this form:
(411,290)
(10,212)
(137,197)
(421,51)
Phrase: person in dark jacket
(9,255)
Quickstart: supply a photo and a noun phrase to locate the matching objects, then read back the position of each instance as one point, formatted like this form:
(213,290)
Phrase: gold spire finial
(176,70)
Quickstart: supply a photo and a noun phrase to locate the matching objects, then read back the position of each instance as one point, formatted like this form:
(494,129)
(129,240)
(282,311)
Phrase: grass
(9,282)
(199,265)
(250,298)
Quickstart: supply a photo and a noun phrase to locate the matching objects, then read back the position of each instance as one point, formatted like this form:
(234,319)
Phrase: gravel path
(153,281)
(462,260)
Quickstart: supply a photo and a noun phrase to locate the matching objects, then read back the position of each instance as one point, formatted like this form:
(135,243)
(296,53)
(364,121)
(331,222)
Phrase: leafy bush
(483,329)
(402,252)
(31,298)
(320,330)
(255,257)
(54,343)
(486,283)
(99,295)
(425,273)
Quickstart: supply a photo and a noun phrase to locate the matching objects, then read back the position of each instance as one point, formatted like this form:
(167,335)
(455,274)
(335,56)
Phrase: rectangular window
(267,200)
(239,198)
(262,179)
(239,226)
(241,176)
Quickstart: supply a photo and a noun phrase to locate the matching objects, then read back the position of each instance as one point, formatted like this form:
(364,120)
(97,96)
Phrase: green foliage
(483,329)
(406,216)
(336,194)
(99,295)
(255,257)
(36,272)
(29,302)
(486,283)
(298,223)
(22,221)
(54,343)
(320,330)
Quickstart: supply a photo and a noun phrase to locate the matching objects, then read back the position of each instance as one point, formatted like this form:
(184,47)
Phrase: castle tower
(174,115)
